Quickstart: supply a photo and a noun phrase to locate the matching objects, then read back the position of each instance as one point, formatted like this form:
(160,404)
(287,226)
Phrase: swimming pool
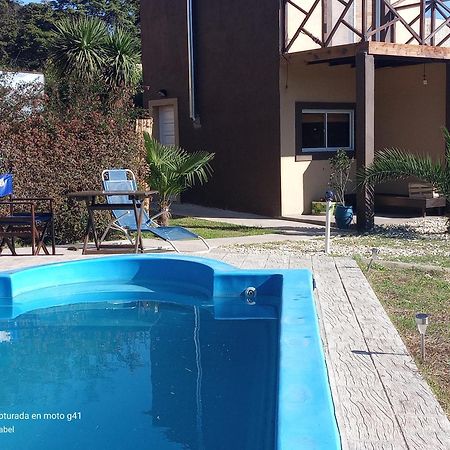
(161,352)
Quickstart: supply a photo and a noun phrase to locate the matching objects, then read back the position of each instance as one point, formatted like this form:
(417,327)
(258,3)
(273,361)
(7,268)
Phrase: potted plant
(341,165)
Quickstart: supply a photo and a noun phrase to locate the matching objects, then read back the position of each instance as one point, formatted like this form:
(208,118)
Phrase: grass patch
(405,292)
(210,230)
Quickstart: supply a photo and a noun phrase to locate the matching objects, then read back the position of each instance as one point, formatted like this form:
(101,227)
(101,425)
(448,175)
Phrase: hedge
(63,146)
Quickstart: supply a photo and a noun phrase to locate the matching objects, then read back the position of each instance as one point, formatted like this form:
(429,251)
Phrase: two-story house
(275,87)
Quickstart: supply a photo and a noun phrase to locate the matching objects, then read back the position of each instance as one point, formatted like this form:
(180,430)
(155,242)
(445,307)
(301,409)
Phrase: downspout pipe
(191,63)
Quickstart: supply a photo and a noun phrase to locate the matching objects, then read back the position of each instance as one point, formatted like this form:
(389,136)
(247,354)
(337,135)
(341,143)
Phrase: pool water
(138,375)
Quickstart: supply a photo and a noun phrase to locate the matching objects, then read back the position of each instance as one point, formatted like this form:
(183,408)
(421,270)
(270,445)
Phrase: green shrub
(63,145)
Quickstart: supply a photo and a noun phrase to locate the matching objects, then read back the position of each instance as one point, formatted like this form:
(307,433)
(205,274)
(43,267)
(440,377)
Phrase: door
(167,124)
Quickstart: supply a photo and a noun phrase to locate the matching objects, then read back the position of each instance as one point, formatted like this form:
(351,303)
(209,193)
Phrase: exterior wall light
(422,324)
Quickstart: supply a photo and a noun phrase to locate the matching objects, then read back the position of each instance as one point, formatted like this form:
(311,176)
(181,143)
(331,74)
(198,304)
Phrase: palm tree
(395,164)
(173,170)
(78,48)
(123,64)
(85,49)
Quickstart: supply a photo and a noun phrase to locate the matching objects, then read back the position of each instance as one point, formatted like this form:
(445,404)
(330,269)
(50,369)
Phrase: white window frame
(351,130)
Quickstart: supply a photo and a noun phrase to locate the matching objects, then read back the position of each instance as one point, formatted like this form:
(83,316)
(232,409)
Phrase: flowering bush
(64,144)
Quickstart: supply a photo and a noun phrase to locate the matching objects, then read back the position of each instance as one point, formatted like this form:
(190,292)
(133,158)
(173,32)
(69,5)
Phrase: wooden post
(326,20)
(375,6)
(447,96)
(364,20)
(283,36)
(433,23)
(365,131)
(422,22)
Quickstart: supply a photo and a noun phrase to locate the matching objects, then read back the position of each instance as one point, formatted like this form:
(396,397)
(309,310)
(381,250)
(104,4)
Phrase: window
(321,129)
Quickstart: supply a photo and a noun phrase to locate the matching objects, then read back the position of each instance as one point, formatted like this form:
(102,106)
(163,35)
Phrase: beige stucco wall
(304,181)
(408,115)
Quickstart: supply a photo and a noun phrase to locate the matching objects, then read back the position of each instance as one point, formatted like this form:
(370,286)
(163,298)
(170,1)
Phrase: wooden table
(93,203)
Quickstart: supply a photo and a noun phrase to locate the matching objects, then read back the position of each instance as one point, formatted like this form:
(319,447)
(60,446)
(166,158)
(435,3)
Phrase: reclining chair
(21,218)
(125,221)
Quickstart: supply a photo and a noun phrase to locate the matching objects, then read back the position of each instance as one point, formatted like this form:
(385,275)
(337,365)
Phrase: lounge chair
(125,221)
(24,218)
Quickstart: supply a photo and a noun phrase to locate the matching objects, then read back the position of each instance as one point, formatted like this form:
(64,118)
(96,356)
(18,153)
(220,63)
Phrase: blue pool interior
(152,351)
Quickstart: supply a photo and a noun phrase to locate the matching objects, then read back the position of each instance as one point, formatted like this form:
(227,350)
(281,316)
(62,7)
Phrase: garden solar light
(375,252)
(422,323)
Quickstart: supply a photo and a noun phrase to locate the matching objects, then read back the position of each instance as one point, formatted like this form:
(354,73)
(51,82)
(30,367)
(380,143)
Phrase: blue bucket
(344,216)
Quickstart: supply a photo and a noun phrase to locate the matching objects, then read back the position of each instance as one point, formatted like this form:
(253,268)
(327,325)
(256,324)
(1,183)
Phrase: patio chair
(24,218)
(125,221)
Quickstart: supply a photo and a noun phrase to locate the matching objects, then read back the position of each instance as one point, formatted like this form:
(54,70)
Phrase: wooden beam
(412,50)
(377,49)
(365,134)
(327,53)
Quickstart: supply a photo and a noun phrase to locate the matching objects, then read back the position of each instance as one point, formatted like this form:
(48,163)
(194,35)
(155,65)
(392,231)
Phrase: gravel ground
(423,237)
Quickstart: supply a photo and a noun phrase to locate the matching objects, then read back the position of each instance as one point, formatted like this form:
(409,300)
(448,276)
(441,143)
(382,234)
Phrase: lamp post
(422,323)
(329,198)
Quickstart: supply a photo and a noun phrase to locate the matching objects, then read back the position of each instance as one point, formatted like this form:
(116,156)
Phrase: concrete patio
(381,400)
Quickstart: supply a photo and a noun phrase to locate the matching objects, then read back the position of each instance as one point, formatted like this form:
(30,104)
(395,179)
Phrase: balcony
(314,24)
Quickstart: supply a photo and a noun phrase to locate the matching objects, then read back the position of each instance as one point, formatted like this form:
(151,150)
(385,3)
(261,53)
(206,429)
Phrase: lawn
(209,229)
(405,292)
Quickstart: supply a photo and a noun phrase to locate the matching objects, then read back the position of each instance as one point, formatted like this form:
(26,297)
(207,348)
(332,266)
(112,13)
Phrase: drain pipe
(191,67)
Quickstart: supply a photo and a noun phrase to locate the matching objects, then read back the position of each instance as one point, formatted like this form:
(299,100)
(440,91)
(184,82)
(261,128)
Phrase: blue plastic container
(344,216)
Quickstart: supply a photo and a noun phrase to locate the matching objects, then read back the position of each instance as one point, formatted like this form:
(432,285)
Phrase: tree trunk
(163,219)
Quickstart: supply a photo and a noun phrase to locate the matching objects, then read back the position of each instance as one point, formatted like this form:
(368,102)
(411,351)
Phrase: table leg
(94,230)
(138,216)
(141,217)
(88,227)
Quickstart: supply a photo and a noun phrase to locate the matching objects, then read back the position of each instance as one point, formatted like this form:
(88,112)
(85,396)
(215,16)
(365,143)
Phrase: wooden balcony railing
(325,23)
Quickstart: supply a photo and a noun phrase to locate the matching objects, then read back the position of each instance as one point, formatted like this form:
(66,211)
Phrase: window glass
(338,130)
(313,130)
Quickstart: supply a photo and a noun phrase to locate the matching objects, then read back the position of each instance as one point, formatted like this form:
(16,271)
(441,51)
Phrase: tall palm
(174,170)
(123,59)
(78,48)
(85,49)
(395,164)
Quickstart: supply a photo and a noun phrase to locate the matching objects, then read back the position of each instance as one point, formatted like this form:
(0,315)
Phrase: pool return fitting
(250,295)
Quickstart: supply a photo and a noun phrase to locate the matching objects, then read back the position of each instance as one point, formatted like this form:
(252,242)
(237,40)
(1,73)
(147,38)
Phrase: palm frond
(196,167)
(123,58)
(395,164)
(173,169)
(78,47)
(446,134)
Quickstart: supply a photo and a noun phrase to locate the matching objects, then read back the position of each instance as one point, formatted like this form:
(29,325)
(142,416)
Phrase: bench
(400,201)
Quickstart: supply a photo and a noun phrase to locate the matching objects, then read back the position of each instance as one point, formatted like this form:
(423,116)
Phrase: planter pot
(344,216)
(320,208)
